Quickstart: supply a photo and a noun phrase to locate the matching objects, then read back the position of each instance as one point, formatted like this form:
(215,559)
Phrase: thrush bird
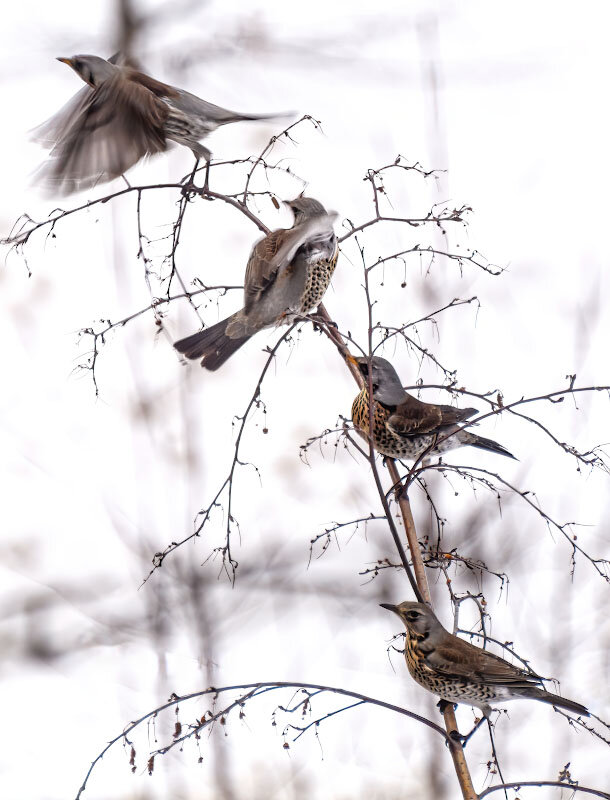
(287,274)
(459,672)
(405,427)
(119,117)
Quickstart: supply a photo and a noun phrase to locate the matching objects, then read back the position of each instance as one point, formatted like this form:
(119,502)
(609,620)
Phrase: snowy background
(512,102)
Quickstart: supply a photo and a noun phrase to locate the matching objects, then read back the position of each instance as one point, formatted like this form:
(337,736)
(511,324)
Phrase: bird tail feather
(212,345)
(556,700)
(488,444)
(248,117)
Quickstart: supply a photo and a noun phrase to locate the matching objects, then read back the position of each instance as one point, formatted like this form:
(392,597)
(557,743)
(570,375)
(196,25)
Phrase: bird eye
(412,615)
(375,387)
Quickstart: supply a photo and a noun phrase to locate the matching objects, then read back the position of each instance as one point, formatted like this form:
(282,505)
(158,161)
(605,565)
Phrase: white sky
(93,487)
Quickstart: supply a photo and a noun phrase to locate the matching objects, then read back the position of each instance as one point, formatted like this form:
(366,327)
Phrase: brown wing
(414,417)
(457,658)
(262,266)
(104,131)
(276,251)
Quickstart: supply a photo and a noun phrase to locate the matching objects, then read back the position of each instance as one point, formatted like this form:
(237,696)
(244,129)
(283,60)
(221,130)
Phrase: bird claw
(189,189)
(189,186)
(455,735)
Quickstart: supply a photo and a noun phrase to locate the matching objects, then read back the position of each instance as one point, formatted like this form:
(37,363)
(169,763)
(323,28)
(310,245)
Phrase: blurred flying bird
(119,117)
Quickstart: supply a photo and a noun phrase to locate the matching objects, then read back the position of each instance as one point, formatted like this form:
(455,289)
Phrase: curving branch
(573,787)
(251,691)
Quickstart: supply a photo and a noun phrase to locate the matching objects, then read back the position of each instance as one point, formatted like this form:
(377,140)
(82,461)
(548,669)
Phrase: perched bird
(119,117)
(405,427)
(287,274)
(459,672)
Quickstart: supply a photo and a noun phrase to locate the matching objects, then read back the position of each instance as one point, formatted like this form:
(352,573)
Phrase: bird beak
(67,61)
(389,607)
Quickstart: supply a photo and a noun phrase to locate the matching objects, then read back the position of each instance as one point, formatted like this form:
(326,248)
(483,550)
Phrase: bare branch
(252,690)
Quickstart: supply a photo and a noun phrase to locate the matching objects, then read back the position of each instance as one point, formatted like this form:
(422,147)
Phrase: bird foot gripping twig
(188,183)
(455,735)
(189,187)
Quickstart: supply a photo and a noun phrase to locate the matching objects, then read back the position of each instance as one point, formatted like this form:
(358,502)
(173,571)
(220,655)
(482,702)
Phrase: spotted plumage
(459,672)
(405,427)
(287,275)
(319,274)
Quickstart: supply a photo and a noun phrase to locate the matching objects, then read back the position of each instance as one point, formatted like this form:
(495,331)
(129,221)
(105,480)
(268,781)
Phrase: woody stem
(421,590)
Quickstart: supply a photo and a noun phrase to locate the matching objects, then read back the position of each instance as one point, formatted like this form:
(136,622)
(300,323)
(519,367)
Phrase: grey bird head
(305,208)
(92,69)
(417,617)
(387,388)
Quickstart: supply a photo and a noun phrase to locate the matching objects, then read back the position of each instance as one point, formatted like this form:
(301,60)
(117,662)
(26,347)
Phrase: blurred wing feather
(103,132)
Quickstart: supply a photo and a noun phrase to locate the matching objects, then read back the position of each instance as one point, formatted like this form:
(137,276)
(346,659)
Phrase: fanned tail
(488,444)
(211,345)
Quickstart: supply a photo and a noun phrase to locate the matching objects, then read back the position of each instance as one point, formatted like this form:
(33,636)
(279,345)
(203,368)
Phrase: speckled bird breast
(453,689)
(319,273)
(386,441)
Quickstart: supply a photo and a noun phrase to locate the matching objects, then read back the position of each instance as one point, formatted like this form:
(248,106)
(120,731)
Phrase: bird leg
(206,181)
(188,184)
(200,151)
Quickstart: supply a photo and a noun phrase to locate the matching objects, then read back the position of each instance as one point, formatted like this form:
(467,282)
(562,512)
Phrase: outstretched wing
(103,132)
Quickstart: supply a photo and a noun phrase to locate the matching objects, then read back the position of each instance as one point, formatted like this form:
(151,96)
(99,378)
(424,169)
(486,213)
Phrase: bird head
(387,388)
(92,69)
(305,208)
(418,619)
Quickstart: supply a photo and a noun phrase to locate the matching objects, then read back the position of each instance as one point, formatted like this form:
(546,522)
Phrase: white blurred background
(512,102)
